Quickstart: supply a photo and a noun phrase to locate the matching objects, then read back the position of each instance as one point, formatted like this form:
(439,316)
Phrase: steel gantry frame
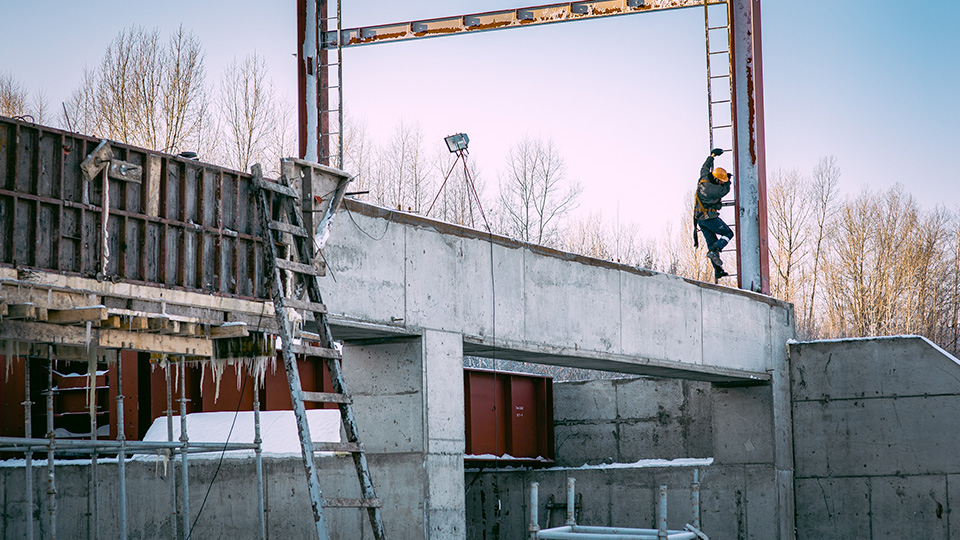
(317,39)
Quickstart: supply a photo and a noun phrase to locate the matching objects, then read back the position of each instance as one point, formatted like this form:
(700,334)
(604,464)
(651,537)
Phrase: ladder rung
(310,350)
(324,397)
(721,101)
(287,228)
(716,28)
(277,188)
(719,52)
(336,447)
(351,503)
(305,305)
(723,126)
(298,268)
(719,76)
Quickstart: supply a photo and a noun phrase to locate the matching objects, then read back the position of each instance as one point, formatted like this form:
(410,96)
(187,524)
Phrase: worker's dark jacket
(709,192)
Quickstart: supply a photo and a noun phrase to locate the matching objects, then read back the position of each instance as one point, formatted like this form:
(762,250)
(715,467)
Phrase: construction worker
(713,186)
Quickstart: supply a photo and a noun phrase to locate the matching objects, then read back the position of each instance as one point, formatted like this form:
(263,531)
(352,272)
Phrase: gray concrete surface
(876,433)
(611,425)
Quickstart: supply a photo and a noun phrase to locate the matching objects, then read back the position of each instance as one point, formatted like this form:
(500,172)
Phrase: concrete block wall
(876,439)
(612,424)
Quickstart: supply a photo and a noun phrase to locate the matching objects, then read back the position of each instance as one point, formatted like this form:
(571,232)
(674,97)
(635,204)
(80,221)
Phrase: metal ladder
(281,218)
(330,79)
(720,121)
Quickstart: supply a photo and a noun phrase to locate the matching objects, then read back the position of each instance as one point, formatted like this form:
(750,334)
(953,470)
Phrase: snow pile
(278,430)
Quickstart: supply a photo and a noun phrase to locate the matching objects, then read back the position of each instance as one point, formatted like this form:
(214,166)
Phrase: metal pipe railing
(28,431)
(122,455)
(258,451)
(51,453)
(185,442)
(534,526)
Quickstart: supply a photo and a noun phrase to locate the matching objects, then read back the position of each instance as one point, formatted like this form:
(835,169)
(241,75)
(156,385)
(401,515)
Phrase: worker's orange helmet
(721,174)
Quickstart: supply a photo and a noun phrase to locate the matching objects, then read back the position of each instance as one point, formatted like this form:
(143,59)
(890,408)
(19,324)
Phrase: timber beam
(35,332)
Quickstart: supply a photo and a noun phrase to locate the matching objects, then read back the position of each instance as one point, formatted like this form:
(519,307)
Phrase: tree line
(874,263)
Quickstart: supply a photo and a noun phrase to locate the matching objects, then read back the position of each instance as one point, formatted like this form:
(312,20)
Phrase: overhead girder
(499,20)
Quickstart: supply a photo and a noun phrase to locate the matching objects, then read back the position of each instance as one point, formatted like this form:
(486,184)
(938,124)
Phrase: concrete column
(444,435)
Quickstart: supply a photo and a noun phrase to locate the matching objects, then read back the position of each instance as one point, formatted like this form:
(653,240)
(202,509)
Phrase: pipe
(695,498)
(170,476)
(28,431)
(51,452)
(184,447)
(662,514)
(122,456)
(259,458)
(534,524)
(571,505)
(94,478)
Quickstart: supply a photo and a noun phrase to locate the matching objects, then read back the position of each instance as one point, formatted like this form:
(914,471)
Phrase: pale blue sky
(873,82)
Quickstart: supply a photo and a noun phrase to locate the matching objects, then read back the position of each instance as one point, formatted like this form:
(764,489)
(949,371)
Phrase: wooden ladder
(282,222)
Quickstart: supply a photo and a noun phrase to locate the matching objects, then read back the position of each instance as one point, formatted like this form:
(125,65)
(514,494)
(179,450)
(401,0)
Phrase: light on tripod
(458,142)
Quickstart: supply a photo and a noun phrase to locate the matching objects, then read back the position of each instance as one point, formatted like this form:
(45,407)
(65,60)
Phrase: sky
(872,82)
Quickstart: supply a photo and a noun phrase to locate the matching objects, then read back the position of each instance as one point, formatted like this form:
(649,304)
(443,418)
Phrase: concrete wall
(877,439)
(621,422)
(408,272)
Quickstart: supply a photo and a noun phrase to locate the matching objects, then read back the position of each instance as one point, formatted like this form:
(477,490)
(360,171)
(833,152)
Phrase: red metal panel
(131,375)
(12,396)
(314,377)
(229,398)
(508,414)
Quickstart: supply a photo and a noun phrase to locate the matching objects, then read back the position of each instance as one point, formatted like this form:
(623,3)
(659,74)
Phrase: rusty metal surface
(186,224)
(497,20)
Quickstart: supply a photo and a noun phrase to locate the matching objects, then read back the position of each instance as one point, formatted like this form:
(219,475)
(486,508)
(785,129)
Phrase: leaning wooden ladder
(284,218)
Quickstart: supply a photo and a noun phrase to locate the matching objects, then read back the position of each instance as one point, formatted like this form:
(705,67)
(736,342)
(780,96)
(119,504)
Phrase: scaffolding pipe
(170,476)
(534,525)
(258,451)
(94,477)
(662,514)
(695,498)
(19,444)
(184,446)
(51,453)
(122,456)
(579,532)
(571,505)
(28,431)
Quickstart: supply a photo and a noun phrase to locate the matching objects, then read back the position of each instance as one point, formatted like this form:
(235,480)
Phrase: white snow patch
(278,430)
(645,463)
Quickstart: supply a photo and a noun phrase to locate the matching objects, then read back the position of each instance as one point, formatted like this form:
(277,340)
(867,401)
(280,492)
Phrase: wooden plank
(324,397)
(188,329)
(345,502)
(37,332)
(113,321)
(336,447)
(277,188)
(22,311)
(77,315)
(164,325)
(229,331)
(310,350)
(287,228)
(297,267)
(305,305)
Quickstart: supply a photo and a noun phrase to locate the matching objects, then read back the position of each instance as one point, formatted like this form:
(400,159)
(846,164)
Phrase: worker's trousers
(715,232)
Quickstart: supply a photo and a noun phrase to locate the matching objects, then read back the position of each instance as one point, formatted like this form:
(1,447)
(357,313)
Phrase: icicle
(89,332)
(320,239)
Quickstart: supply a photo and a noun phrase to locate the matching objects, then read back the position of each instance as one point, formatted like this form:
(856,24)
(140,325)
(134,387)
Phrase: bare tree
(401,172)
(13,97)
(534,196)
(822,194)
(246,105)
(788,211)
(455,200)
(143,93)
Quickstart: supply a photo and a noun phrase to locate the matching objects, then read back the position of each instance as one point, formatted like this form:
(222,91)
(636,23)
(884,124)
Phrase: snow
(278,430)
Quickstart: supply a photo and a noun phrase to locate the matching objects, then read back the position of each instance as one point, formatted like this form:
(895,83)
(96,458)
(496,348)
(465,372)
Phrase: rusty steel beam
(498,20)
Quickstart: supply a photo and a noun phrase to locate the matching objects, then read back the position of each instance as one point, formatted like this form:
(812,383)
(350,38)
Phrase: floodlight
(458,142)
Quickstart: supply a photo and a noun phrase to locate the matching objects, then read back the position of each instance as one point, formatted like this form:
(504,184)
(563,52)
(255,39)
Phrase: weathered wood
(113,321)
(37,332)
(298,267)
(153,185)
(188,329)
(22,311)
(164,325)
(229,331)
(277,188)
(291,229)
(310,350)
(76,315)
(305,305)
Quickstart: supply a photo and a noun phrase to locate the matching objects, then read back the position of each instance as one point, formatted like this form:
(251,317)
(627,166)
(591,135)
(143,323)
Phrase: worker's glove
(716,152)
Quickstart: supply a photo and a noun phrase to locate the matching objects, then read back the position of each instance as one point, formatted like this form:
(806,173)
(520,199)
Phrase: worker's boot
(714,257)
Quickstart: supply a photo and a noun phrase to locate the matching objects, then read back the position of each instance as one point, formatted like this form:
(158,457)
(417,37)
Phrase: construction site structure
(734,78)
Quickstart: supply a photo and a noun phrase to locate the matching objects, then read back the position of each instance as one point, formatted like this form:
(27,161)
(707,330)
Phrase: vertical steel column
(28,454)
(171,477)
(662,514)
(571,502)
(534,525)
(323,86)
(259,458)
(122,456)
(695,498)
(51,453)
(748,143)
(184,449)
(309,107)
